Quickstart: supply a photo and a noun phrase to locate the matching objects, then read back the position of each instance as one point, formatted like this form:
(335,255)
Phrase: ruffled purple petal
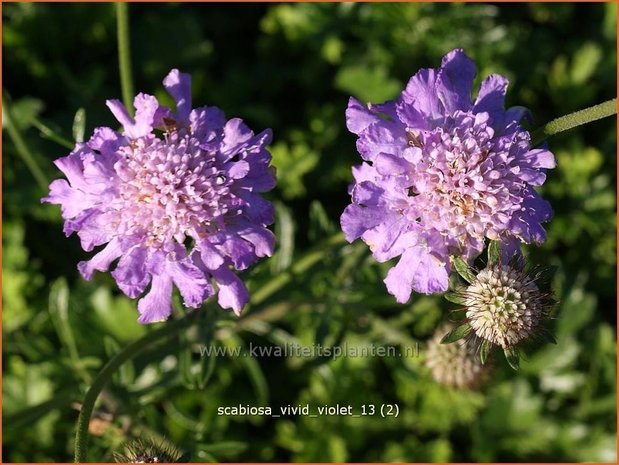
(190,281)
(258,209)
(454,82)
(232,292)
(526,222)
(358,116)
(541,158)
(101,261)
(178,85)
(262,240)
(381,138)
(236,134)
(105,141)
(207,123)
(392,165)
(93,227)
(420,94)
(390,238)
(146,112)
(131,274)
(72,201)
(356,220)
(417,270)
(156,305)
(210,256)
(510,249)
(121,114)
(491,97)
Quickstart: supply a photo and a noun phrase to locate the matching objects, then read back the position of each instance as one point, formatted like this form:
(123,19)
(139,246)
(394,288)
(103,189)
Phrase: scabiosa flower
(148,451)
(441,173)
(175,197)
(504,305)
(456,365)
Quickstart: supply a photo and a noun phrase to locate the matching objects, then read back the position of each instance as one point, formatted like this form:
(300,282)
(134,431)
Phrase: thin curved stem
(128,353)
(21,147)
(124,54)
(573,120)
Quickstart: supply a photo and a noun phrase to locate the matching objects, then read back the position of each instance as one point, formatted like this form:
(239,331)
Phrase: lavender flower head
(441,173)
(175,197)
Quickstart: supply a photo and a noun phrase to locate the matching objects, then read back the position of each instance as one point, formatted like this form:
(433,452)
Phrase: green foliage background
(292,67)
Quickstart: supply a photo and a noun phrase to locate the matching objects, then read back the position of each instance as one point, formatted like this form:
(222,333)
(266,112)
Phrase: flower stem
(573,120)
(124,54)
(21,147)
(128,353)
(48,133)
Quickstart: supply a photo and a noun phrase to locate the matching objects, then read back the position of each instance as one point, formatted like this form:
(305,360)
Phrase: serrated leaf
(284,230)
(455,297)
(484,351)
(494,252)
(512,357)
(457,334)
(463,270)
(79,125)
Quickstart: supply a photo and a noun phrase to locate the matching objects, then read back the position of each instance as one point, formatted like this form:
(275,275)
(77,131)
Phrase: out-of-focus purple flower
(175,197)
(441,174)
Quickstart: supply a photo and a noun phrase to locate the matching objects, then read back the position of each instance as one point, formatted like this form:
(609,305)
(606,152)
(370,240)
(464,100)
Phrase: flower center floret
(455,365)
(171,189)
(504,305)
(464,184)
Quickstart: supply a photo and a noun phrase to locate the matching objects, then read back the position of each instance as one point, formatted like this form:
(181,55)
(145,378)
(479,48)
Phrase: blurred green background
(292,67)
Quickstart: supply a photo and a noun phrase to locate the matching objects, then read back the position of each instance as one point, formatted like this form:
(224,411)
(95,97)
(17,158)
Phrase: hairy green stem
(128,353)
(124,54)
(48,133)
(21,147)
(573,120)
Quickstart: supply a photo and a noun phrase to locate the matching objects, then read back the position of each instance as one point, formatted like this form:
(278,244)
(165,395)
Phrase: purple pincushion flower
(175,197)
(441,174)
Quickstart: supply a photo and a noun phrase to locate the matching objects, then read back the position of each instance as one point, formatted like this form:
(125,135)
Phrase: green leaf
(24,111)
(223,448)
(284,231)
(79,125)
(185,367)
(463,269)
(512,357)
(368,84)
(484,351)
(59,312)
(293,161)
(258,380)
(457,334)
(207,368)
(455,297)
(494,252)
(30,415)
